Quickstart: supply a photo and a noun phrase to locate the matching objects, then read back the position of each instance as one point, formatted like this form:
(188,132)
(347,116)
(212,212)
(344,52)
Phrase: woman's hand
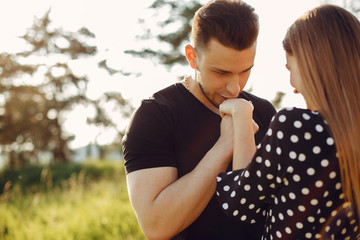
(239,109)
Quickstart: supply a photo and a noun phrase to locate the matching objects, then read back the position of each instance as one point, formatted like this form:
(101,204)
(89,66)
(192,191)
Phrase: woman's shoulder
(292,114)
(299,119)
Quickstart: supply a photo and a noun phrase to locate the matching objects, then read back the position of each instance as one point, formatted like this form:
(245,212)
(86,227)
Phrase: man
(177,144)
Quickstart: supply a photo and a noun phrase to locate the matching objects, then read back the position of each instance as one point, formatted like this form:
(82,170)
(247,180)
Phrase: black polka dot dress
(293,181)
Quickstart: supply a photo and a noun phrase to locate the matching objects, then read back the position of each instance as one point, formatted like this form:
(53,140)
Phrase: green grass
(82,202)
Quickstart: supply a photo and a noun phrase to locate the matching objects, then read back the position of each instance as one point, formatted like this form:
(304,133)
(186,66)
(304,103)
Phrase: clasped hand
(240,110)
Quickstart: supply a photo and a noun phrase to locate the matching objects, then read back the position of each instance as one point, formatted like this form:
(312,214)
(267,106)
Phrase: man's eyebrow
(220,70)
(249,68)
(226,71)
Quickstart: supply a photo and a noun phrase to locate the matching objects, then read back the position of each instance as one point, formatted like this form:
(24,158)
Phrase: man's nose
(233,87)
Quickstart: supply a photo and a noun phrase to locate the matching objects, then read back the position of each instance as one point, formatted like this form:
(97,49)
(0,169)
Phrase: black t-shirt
(173,128)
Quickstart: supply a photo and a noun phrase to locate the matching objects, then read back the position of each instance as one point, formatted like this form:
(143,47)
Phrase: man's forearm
(182,201)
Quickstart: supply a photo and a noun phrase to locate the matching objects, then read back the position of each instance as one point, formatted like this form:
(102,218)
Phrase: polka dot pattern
(293,182)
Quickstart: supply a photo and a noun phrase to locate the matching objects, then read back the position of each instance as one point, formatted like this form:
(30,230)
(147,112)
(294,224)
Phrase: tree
(38,88)
(180,16)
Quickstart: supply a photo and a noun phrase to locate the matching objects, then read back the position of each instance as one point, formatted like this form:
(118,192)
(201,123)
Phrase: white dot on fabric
(329,203)
(319,184)
(316,149)
(268,148)
(236,178)
(278,150)
(338,222)
(299,225)
(285,181)
(280,135)
(235,213)
(302,157)
(290,169)
(243,218)
(292,155)
(281,216)
(326,193)
(305,191)
(301,208)
(243,201)
(251,206)
(292,196)
(225,206)
(341,196)
(314,202)
(319,128)
(310,171)
(246,174)
(283,198)
(311,219)
(247,187)
(233,193)
(308,235)
(307,136)
(294,139)
(306,116)
(278,234)
(218,179)
(288,230)
(330,141)
(269,176)
(297,124)
(325,163)
(258,173)
(282,118)
(338,186)
(332,175)
(269,132)
(258,159)
(290,212)
(296,178)
(260,188)
(267,163)
(226,188)
(322,220)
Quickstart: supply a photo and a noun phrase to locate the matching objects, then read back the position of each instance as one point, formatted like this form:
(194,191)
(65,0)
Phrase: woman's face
(295,79)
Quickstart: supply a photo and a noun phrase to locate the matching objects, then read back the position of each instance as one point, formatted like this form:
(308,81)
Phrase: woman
(304,177)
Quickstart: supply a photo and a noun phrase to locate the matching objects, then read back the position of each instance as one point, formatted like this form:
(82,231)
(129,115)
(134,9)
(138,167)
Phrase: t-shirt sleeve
(288,169)
(148,140)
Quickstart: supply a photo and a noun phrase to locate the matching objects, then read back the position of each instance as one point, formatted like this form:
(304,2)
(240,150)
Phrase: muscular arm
(166,205)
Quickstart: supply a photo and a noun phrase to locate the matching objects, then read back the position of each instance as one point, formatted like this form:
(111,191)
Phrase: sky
(115,25)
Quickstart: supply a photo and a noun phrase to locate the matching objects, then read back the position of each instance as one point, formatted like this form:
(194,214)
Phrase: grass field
(67,202)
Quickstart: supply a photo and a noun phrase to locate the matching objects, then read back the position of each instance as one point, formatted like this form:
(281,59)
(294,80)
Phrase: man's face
(224,71)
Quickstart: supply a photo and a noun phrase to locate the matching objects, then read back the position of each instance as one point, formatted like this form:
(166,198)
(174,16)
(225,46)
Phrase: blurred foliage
(33,178)
(180,15)
(38,88)
(91,203)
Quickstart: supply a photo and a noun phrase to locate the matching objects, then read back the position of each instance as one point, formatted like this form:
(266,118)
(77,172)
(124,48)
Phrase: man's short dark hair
(233,23)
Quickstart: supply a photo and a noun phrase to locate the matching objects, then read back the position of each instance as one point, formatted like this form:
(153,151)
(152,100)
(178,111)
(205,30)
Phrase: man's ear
(191,56)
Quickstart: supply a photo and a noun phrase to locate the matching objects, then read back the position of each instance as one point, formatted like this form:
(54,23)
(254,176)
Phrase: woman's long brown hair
(326,44)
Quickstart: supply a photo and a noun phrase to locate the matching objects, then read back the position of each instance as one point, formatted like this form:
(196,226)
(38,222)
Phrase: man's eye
(222,73)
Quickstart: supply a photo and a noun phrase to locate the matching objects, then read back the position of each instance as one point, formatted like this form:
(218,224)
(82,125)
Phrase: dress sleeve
(244,194)
(286,173)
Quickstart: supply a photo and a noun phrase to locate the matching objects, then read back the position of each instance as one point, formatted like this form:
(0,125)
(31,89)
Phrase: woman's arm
(244,130)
